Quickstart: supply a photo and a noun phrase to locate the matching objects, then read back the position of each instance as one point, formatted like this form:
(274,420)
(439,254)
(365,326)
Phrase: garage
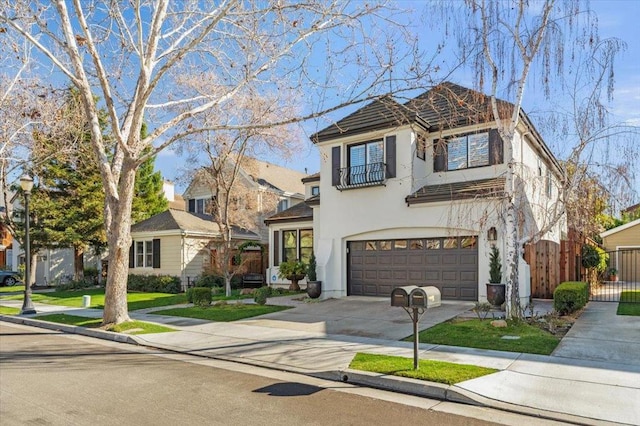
(375,267)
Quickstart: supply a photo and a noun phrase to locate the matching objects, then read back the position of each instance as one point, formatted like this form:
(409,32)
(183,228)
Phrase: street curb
(453,393)
(72,329)
(402,385)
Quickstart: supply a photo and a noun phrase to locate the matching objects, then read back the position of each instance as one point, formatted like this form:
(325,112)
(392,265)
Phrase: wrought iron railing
(364,175)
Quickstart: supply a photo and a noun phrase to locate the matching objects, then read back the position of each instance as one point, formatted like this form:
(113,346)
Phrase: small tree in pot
(314,287)
(495,287)
(294,271)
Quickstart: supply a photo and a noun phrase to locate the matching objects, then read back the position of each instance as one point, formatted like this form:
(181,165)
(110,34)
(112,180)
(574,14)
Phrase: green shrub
(260,295)
(91,272)
(209,280)
(76,285)
(154,283)
(189,294)
(201,296)
(594,258)
(570,296)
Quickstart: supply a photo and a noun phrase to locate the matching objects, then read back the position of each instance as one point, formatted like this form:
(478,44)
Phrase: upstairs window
(366,162)
(315,190)
(283,205)
(467,151)
(199,205)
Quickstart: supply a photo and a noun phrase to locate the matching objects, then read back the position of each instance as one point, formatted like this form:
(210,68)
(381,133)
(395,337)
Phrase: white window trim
(146,255)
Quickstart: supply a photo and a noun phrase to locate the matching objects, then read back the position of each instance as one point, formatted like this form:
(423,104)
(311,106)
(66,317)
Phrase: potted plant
(495,287)
(613,274)
(314,287)
(294,271)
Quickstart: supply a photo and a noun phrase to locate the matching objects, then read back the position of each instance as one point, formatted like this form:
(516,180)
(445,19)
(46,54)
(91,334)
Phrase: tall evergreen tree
(149,198)
(68,201)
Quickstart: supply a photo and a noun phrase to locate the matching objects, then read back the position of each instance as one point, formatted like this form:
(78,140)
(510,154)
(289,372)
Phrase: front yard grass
(629,303)
(7,310)
(140,327)
(12,289)
(480,334)
(222,313)
(433,371)
(74,298)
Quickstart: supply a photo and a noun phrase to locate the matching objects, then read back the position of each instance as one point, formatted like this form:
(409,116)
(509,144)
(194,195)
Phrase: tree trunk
(511,242)
(119,241)
(78,263)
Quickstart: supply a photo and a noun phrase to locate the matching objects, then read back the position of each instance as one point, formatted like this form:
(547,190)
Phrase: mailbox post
(415,301)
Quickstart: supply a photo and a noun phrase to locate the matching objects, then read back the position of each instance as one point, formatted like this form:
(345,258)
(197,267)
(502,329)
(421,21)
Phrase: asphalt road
(49,378)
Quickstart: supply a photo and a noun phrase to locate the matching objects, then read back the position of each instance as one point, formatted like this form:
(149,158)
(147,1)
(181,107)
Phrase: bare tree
(508,47)
(137,57)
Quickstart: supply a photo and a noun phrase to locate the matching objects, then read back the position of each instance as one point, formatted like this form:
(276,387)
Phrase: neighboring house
(623,245)
(178,243)
(272,189)
(413,194)
(5,242)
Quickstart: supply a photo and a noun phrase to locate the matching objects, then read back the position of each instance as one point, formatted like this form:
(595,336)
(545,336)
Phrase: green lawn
(6,310)
(222,313)
(74,298)
(480,334)
(629,303)
(433,371)
(139,326)
(14,289)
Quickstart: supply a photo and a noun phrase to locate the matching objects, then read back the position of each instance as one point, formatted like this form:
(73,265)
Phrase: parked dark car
(9,278)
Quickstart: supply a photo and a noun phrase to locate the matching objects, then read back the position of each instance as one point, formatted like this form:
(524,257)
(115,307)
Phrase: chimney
(169,190)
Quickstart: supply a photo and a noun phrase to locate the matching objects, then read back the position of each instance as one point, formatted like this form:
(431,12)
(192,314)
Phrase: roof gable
(620,228)
(186,222)
(379,114)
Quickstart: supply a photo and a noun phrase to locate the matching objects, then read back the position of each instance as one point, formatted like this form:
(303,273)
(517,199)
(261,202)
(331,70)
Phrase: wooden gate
(544,263)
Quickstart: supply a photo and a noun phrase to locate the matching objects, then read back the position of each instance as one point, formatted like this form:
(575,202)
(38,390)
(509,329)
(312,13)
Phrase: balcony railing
(372,174)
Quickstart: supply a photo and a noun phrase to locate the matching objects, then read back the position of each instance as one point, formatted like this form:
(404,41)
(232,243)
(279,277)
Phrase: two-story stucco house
(414,194)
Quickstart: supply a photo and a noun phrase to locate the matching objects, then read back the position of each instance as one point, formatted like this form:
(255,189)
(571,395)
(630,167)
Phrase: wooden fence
(551,263)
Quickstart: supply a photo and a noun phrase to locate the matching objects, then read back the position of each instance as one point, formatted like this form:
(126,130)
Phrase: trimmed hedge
(213,280)
(154,283)
(261,294)
(570,296)
(201,296)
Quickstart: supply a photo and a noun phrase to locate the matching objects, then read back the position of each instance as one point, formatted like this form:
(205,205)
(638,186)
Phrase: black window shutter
(439,155)
(391,156)
(192,205)
(132,263)
(335,166)
(156,253)
(496,147)
(276,248)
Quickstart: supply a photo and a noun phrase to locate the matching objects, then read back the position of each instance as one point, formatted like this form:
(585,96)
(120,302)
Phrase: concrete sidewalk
(561,388)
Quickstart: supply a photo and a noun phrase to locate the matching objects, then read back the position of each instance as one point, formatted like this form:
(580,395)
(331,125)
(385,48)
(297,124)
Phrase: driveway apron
(357,316)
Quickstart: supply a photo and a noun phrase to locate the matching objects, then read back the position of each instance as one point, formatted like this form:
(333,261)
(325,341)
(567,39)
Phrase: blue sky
(616,18)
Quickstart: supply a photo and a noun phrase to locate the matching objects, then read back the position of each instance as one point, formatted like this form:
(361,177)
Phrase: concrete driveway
(601,335)
(356,316)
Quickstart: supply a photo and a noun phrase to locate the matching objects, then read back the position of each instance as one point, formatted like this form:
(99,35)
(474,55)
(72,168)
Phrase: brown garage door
(375,267)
